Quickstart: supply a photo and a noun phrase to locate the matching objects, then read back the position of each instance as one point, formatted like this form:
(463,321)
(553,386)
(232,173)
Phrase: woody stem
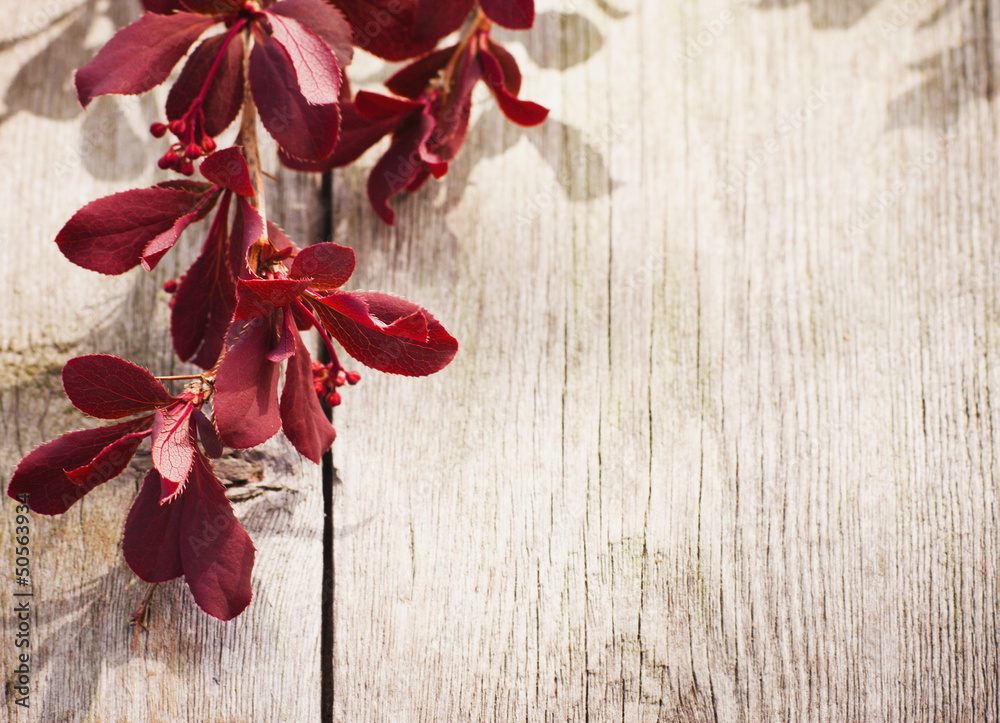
(248,135)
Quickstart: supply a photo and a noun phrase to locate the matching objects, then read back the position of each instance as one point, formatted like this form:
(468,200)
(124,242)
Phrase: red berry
(177,127)
(158,130)
(193,151)
(333,399)
(207,144)
(170,286)
(353,377)
(187,168)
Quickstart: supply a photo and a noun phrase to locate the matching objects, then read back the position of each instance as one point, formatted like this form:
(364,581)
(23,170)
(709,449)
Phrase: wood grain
(264,666)
(719,441)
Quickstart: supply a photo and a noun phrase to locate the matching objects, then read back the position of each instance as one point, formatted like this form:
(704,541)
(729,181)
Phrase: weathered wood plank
(265,664)
(718,444)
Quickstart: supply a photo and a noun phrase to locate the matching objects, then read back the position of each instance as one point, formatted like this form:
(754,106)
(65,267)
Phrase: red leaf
(386,333)
(156,248)
(411,81)
(109,463)
(140,56)
(258,297)
(399,166)
(314,63)
(508,65)
(302,418)
(401,29)
(328,265)
(325,21)
(173,448)
(228,168)
(162,7)
(377,107)
(207,434)
(522,112)
(107,387)
(435,19)
(216,552)
(110,234)
(213,7)
(224,97)
(246,388)
(513,14)
(151,539)
(41,475)
(204,302)
(287,337)
(248,228)
(302,129)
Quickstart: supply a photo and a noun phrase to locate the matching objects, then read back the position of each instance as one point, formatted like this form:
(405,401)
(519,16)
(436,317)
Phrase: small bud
(193,151)
(168,160)
(208,144)
(333,399)
(170,286)
(177,127)
(353,377)
(341,379)
(158,130)
(187,168)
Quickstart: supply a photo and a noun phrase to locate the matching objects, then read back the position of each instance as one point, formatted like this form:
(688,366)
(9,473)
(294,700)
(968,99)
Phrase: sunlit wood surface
(718,444)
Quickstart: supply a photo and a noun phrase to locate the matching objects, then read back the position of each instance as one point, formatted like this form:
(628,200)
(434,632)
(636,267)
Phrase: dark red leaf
(508,66)
(109,463)
(173,448)
(110,234)
(314,63)
(208,435)
(522,112)
(151,540)
(303,130)
(302,418)
(213,7)
(216,552)
(140,56)
(228,168)
(108,387)
(386,333)
(399,166)
(248,228)
(162,7)
(246,388)
(435,19)
(327,22)
(278,238)
(513,14)
(42,474)
(412,80)
(257,297)
(329,265)
(287,337)
(377,107)
(156,248)
(205,299)
(453,111)
(224,97)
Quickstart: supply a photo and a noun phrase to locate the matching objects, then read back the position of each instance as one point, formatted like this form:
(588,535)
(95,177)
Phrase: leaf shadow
(579,39)
(952,77)
(43,87)
(824,14)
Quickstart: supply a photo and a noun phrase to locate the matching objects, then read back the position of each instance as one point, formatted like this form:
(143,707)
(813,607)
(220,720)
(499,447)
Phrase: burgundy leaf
(110,234)
(399,166)
(513,14)
(173,448)
(412,80)
(207,435)
(302,129)
(314,64)
(108,387)
(329,265)
(302,418)
(213,7)
(327,22)
(435,19)
(41,475)
(140,56)
(216,552)
(452,114)
(508,66)
(522,112)
(248,228)
(278,238)
(387,333)
(258,297)
(156,248)
(162,7)
(376,107)
(205,299)
(109,463)
(224,97)
(287,338)
(228,168)
(151,540)
(246,389)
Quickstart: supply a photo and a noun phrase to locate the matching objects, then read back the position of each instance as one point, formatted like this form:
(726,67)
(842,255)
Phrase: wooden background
(719,441)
